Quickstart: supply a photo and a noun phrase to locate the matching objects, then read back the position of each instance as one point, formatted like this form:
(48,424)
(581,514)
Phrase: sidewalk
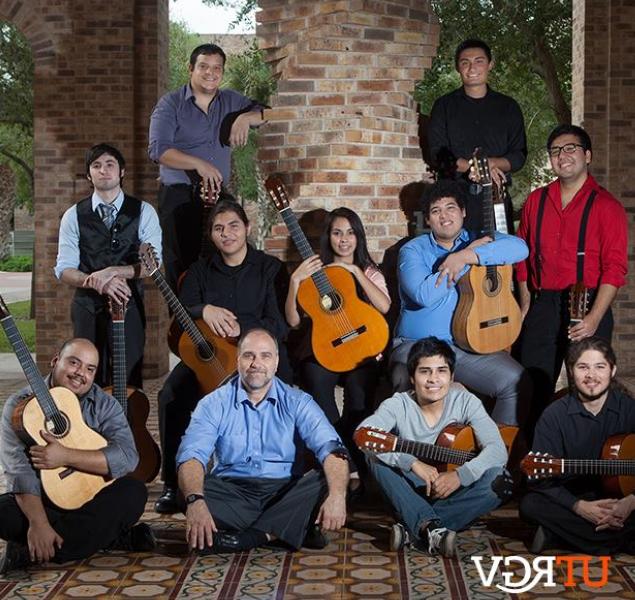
(15,286)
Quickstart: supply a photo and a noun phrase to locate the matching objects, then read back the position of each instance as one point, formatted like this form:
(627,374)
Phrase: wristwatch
(193,498)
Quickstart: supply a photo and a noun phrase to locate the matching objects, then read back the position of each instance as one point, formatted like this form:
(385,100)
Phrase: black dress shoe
(139,538)
(543,539)
(167,504)
(16,557)
(226,542)
(315,539)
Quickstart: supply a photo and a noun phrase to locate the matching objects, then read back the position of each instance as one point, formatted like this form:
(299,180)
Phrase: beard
(591,397)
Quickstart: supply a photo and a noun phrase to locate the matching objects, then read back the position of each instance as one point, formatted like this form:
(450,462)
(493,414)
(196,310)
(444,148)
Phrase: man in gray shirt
(38,531)
(432,506)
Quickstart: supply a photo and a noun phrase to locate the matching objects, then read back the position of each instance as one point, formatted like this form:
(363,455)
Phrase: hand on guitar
(584,329)
(42,540)
(306,268)
(445,484)
(455,262)
(621,511)
(200,526)
(109,282)
(51,456)
(426,473)
(211,176)
(594,511)
(497,175)
(221,321)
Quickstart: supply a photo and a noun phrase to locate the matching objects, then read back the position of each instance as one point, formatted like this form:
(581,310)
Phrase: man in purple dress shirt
(192,131)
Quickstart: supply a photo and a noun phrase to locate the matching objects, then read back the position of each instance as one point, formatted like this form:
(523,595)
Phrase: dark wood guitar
(487,318)
(579,302)
(346,331)
(56,411)
(454,446)
(133,401)
(617,465)
(212,358)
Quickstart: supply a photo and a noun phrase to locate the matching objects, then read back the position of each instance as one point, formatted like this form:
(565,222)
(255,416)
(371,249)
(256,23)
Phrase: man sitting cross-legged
(432,506)
(257,426)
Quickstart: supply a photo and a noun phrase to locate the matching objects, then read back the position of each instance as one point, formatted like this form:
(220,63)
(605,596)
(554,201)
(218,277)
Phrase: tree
(182,42)
(243,9)
(531,42)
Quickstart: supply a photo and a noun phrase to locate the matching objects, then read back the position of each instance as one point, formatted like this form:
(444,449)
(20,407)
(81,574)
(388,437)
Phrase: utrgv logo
(542,567)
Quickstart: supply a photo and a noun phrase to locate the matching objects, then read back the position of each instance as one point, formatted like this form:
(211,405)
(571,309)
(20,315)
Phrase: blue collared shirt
(177,122)
(261,441)
(68,245)
(427,310)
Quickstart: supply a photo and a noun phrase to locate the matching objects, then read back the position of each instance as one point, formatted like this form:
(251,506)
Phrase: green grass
(20,312)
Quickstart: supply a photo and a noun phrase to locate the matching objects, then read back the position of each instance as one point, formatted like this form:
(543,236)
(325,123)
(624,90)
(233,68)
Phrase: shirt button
(249,459)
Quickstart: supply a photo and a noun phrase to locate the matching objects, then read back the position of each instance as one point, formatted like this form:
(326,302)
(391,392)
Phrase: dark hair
(426,347)
(243,335)
(227,204)
(206,49)
(361,257)
(100,149)
(445,188)
(471,43)
(576,349)
(565,128)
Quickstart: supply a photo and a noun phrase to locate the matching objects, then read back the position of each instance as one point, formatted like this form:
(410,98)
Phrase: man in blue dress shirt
(257,427)
(429,267)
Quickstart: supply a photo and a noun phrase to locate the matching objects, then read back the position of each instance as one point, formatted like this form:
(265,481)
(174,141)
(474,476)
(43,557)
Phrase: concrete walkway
(15,287)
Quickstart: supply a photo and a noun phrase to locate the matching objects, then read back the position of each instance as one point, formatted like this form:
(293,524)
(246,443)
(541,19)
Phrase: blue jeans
(406,493)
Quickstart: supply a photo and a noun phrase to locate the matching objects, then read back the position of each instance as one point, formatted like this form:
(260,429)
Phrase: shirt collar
(118,202)
(242,397)
(464,236)
(575,407)
(89,395)
(217,259)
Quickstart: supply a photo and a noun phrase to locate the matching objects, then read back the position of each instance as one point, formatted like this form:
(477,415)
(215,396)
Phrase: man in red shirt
(576,232)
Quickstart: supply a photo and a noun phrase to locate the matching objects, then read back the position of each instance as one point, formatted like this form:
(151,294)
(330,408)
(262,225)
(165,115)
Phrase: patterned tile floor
(356,564)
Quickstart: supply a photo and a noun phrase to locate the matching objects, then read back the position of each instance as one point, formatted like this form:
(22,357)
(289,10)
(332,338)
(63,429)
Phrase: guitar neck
(432,452)
(597,467)
(304,248)
(489,218)
(33,375)
(119,379)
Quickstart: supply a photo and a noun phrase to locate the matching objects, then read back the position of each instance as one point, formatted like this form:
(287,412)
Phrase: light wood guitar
(487,318)
(212,358)
(617,465)
(454,446)
(133,401)
(56,411)
(346,330)
(579,302)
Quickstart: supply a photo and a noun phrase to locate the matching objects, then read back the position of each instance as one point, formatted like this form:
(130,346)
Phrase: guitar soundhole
(331,302)
(492,284)
(58,426)
(205,353)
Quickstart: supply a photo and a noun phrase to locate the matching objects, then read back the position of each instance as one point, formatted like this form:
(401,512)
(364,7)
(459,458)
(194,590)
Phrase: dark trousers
(85,530)
(359,389)
(573,531)
(94,324)
(282,507)
(544,342)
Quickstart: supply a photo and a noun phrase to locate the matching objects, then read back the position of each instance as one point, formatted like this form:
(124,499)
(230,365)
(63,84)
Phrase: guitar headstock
(375,440)
(117,310)
(4,309)
(277,192)
(479,165)
(148,258)
(579,302)
(540,466)
(208,194)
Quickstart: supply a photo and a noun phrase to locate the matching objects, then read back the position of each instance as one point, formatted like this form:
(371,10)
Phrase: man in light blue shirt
(429,267)
(257,428)
(98,247)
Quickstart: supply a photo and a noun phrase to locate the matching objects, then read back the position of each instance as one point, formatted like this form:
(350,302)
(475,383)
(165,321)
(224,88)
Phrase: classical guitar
(56,411)
(208,196)
(454,446)
(212,358)
(133,401)
(346,330)
(487,318)
(617,465)
(579,302)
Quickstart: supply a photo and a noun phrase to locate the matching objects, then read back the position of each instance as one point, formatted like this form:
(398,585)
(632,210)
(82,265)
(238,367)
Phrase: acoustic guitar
(487,318)
(617,465)
(212,358)
(346,331)
(58,412)
(579,302)
(133,401)
(454,446)
(201,190)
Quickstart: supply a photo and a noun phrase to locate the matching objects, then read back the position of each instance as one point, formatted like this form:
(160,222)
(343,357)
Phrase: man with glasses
(577,233)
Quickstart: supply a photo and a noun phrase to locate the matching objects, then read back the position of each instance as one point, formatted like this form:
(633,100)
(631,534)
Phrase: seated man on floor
(431,506)
(574,511)
(35,529)
(257,428)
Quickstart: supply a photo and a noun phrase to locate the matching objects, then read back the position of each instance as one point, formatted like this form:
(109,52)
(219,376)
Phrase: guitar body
(486,320)
(149,453)
(67,488)
(346,330)
(455,437)
(213,371)
(619,447)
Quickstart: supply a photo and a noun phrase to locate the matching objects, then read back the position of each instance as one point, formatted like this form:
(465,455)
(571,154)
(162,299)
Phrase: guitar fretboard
(119,368)
(433,452)
(598,466)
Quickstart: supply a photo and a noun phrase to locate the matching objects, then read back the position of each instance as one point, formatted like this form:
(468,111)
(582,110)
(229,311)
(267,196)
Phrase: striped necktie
(107,213)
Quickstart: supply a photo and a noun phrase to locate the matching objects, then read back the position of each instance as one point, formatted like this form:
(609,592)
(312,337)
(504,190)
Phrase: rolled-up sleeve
(68,243)
(150,229)
(614,245)
(504,250)
(201,435)
(163,123)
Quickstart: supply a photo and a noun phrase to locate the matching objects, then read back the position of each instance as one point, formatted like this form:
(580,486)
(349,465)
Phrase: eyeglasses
(554,151)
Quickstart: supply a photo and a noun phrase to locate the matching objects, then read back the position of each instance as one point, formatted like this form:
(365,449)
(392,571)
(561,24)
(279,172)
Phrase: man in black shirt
(573,511)
(475,116)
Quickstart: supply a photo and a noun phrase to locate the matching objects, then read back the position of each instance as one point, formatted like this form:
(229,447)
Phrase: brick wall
(98,72)
(343,131)
(603,85)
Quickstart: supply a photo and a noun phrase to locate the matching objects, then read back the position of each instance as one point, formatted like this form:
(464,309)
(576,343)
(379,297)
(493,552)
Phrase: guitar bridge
(493,322)
(347,337)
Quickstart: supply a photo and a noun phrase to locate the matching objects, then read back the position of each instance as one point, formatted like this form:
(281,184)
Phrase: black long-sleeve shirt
(567,430)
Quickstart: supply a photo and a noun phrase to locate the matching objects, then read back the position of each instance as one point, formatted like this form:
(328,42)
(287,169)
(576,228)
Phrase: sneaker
(399,537)
(16,557)
(138,538)
(442,540)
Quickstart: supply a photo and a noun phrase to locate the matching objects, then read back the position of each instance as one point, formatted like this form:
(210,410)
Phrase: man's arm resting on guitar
(200,523)
(54,455)
(110,281)
(41,537)
(587,327)
(332,515)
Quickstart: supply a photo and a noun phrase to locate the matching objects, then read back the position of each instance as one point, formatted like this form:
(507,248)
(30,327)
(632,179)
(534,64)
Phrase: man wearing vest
(98,254)
(576,232)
